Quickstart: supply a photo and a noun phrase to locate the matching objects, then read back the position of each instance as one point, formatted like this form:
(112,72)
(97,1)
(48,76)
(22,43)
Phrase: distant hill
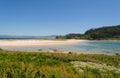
(102,33)
(109,32)
(25,37)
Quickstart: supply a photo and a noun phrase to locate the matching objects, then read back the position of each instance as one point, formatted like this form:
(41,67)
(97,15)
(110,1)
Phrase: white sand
(17,43)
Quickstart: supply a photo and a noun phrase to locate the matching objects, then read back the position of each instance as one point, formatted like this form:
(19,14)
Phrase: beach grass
(16,64)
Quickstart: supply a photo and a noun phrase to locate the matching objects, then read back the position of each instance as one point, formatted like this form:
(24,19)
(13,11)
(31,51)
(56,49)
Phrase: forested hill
(103,33)
(109,32)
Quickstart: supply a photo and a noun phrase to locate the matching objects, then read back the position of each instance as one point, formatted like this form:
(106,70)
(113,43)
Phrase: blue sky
(56,17)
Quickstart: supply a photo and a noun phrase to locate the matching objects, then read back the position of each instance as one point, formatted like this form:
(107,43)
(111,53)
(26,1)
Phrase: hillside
(103,33)
(25,37)
(109,32)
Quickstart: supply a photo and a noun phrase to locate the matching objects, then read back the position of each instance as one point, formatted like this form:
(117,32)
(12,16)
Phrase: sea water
(93,47)
(100,47)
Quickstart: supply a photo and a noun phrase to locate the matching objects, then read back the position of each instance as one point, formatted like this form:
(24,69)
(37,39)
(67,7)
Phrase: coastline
(32,42)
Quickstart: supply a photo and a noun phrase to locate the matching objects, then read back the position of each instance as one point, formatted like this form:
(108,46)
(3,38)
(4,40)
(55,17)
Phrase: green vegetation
(56,65)
(72,36)
(110,32)
(103,33)
(59,39)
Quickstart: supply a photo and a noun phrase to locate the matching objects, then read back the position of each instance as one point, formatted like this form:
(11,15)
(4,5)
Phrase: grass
(14,64)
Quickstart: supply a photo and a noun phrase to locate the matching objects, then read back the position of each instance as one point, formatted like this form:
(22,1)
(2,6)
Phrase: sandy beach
(17,43)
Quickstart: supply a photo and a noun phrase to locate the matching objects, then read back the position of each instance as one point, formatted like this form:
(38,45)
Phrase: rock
(55,50)
(39,49)
(1,49)
(117,54)
(69,52)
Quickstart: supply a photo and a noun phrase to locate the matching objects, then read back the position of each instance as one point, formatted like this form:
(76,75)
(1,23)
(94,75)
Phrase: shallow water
(101,47)
(96,47)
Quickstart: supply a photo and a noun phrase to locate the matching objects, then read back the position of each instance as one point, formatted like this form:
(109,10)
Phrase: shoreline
(25,43)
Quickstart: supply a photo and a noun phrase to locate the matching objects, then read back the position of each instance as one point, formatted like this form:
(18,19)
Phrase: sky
(56,17)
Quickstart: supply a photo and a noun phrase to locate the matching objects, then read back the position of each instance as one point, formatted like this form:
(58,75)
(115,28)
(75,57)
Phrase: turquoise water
(97,47)
(101,47)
